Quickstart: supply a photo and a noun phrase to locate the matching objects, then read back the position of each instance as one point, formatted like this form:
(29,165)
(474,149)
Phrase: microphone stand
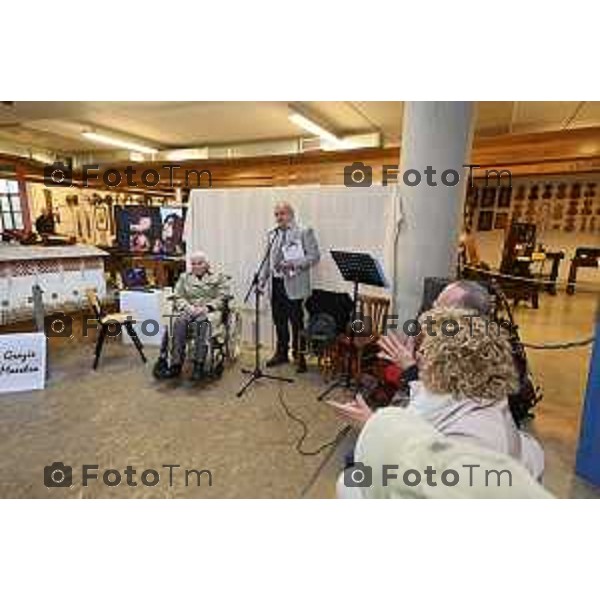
(257,372)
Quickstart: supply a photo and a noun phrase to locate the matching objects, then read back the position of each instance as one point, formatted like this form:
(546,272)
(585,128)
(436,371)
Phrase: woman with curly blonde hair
(466,355)
(466,372)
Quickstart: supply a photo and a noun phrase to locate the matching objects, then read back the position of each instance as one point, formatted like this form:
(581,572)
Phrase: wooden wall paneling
(562,152)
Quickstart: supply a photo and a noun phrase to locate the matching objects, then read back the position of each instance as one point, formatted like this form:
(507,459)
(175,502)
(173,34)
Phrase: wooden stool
(106,320)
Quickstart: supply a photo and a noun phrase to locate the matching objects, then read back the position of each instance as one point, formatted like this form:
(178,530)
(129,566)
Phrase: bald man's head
(465,294)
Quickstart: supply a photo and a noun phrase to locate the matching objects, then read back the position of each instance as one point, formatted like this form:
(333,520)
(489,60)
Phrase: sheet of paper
(293,251)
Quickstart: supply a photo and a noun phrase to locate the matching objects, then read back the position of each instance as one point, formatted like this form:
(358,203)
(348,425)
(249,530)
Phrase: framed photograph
(138,228)
(548,191)
(569,226)
(587,207)
(485,220)
(171,240)
(575,191)
(573,208)
(531,211)
(534,193)
(590,191)
(557,211)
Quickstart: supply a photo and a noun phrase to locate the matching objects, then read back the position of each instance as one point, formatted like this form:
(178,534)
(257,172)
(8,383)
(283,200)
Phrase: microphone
(273,234)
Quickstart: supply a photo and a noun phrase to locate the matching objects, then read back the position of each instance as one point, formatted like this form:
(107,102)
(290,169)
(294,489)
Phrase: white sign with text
(22,362)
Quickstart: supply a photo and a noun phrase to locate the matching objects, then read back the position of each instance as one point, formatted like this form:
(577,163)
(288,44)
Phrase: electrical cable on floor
(332,443)
(537,346)
(317,473)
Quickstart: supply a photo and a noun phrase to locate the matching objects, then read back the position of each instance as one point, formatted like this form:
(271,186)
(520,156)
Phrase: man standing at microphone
(294,250)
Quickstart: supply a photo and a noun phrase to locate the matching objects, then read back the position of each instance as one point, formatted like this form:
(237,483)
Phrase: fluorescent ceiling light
(360,140)
(187,154)
(314,128)
(111,141)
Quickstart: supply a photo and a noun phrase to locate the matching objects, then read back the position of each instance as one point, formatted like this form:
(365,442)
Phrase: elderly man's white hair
(287,207)
(197,256)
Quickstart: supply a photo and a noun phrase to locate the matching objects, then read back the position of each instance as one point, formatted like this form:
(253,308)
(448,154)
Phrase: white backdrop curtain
(230,225)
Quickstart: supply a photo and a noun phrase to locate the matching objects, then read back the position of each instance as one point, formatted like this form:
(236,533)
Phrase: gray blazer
(297,286)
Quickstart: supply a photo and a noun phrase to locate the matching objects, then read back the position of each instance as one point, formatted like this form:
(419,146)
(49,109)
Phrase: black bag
(337,304)
(329,316)
(321,331)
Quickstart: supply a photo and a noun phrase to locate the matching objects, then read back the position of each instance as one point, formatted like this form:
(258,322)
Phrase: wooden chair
(373,310)
(325,351)
(106,320)
(326,363)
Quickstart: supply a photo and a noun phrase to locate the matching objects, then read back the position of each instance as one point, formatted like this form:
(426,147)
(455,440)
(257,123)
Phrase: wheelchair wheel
(233,336)
(219,369)
(160,369)
(217,363)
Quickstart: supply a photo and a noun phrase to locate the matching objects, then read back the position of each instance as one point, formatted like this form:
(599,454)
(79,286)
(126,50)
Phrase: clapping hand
(398,349)
(356,411)
(198,310)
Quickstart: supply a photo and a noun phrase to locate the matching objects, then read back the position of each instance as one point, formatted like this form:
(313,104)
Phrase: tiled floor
(119,416)
(563,376)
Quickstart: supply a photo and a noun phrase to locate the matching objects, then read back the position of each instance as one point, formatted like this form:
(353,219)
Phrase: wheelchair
(222,341)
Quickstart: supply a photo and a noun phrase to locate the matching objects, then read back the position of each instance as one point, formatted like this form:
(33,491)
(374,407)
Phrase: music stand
(357,267)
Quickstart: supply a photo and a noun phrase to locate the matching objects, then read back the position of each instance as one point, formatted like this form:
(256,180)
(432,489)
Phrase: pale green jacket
(396,441)
(191,290)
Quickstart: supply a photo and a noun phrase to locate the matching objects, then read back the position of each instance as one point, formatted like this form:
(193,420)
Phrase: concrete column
(435,136)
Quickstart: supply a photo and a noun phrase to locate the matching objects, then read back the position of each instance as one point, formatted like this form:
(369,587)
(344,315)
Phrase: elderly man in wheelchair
(202,310)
